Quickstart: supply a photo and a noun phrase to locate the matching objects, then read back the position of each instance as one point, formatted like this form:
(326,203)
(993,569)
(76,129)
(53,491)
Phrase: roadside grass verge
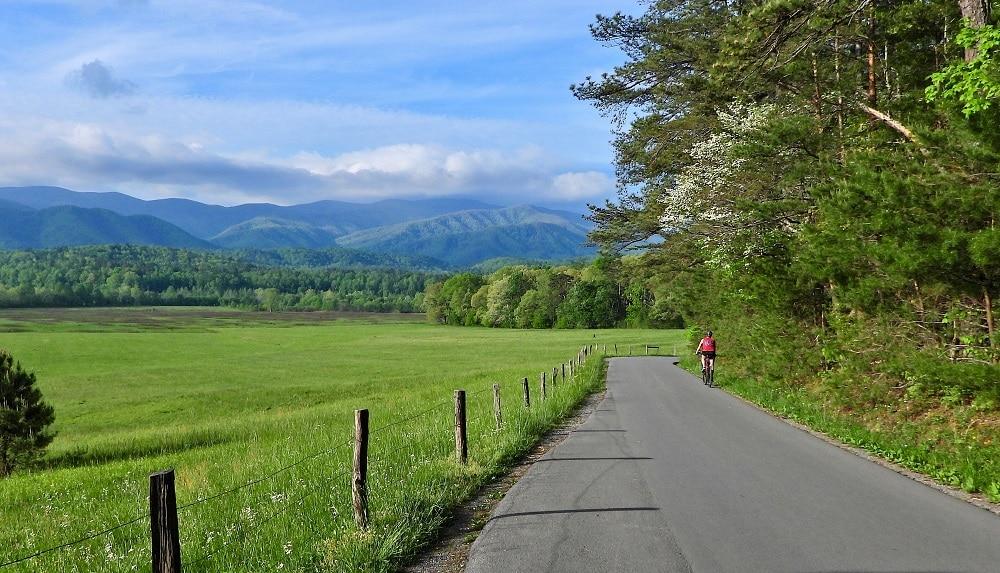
(408,517)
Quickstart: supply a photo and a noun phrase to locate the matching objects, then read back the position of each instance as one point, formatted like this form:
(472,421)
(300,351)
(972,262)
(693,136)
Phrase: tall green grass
(228,405)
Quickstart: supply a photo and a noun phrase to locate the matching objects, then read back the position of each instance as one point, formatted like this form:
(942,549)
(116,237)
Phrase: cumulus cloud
(98,80)
(575,186)
(89,157)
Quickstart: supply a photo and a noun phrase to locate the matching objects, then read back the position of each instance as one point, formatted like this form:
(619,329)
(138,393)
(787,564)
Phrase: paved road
(668,475)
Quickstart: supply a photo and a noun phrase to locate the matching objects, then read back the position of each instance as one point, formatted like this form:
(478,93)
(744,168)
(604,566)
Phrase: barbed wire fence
(425,447)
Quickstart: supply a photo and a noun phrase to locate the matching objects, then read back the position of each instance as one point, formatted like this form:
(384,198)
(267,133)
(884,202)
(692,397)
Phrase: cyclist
(706,348)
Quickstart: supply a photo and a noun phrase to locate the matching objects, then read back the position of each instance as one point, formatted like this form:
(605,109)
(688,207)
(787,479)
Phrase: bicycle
(708,374)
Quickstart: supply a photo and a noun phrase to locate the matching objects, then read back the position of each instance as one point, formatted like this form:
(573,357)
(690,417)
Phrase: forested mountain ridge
(824,176)
(459,232)
(468,237)
(67,226)
(271,232)
(205,220)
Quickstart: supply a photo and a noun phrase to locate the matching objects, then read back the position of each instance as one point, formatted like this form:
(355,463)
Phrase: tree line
(608,292)
(822,177)
(126,275)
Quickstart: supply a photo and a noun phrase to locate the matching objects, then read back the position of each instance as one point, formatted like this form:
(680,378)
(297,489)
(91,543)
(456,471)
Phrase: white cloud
(90,157)
(576,186)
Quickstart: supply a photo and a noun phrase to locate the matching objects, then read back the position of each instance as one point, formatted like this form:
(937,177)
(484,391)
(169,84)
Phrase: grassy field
(228,399)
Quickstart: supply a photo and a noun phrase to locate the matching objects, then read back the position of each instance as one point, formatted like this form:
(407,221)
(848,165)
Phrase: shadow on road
(592,459)
(563,511)
(577,431)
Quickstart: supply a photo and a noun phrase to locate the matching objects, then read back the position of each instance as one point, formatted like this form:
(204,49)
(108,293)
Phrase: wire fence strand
(235,489)
(76,542)
(245,532)
(432,443)
(410,418)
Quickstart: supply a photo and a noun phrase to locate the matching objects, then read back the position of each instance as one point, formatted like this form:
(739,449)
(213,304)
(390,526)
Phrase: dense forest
(133,275)
(608,292)
(825,179)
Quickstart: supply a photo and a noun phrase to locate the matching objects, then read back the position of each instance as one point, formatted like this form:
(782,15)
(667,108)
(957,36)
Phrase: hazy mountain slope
(461,222)
(272,233)
(67,226)
(12,206)
(455,231)
(536,241)
(469,237)
(203,220)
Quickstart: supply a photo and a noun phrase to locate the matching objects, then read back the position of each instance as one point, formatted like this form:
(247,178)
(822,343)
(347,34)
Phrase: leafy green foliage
(339,258)
(127,275)
(24,417)
(607,293)
(975,84)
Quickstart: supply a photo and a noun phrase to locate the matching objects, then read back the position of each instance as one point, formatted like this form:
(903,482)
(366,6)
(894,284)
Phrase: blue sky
(293,101)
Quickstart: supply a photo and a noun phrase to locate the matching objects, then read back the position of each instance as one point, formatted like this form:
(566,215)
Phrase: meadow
(254,411)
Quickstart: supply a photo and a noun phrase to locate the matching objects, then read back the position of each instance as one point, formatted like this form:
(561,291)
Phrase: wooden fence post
(616,348)
(163,523)
(564,371)
(461,430)
(496,406)
(555,374)
(527,393)
(542,386)
(572,372)
(359,480)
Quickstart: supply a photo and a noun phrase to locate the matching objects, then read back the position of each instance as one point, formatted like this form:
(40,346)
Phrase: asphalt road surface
(668,475)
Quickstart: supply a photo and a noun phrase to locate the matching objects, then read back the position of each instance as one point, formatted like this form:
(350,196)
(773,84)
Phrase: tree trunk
(989,321)
(817,96)
(872,81)
(977,12)
(840,99)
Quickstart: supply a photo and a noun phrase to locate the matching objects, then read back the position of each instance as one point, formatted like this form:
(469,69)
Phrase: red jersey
(707,344)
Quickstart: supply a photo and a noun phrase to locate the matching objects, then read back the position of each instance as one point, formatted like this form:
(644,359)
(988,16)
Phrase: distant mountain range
(455,232)
(25,228)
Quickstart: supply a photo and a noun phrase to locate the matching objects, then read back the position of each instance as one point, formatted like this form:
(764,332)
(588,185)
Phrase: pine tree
(24,417)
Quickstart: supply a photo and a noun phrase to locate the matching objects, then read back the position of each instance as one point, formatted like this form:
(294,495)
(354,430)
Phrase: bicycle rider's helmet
(710,334)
